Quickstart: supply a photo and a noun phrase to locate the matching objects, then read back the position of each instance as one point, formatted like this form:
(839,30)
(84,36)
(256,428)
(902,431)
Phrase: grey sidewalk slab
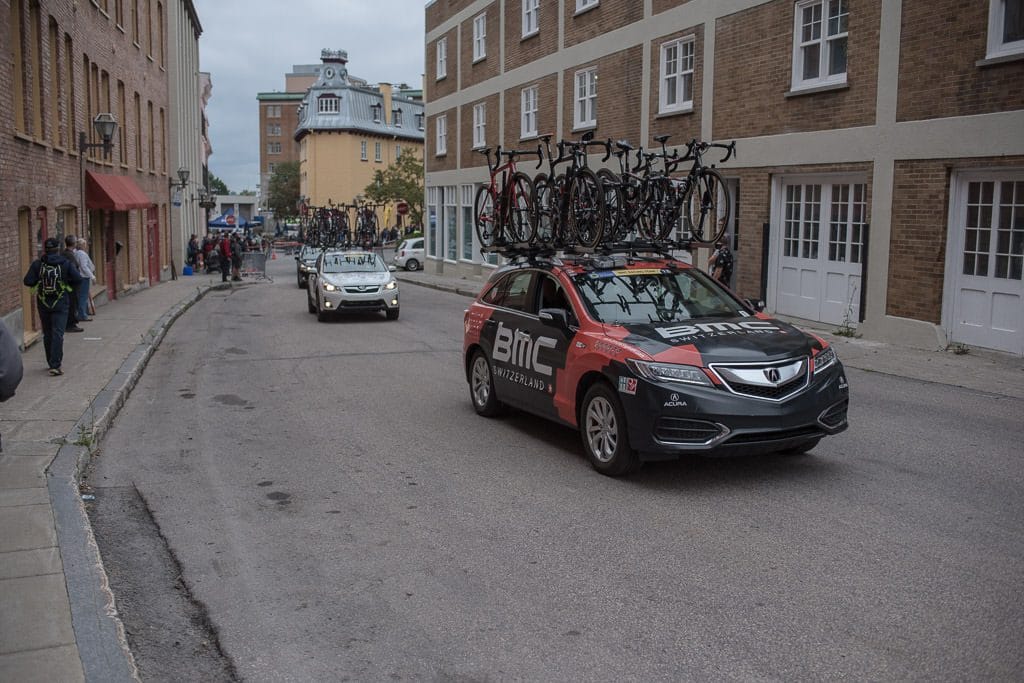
(26,527)
(42,666)
(24,471)
(22,563)
(23,599)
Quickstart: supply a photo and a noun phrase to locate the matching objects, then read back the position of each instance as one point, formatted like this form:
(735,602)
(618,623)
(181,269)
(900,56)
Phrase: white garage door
(986,260)
(819,248)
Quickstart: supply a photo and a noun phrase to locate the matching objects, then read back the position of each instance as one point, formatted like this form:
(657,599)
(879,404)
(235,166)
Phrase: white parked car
(409,254)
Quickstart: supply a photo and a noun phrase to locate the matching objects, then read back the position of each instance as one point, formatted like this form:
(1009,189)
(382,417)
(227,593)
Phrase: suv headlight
(391,285)
(669,372)
(329,287)
(824,359)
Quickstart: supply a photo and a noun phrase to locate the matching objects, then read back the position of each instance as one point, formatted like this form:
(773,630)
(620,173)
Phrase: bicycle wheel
(542,219)
(522,225)
(708,206)
(614,206)
(484,217)
(669,211)
(586,208)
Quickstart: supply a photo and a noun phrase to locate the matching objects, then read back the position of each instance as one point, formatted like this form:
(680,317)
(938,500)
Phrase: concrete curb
(445,288)
(99,632)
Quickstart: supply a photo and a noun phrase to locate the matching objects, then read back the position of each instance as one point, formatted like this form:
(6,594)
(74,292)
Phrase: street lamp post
(173,185)
(105,126)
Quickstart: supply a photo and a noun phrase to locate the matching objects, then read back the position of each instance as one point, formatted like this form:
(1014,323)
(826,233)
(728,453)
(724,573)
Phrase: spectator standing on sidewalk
(236,259)
(720,263)
(225,258)
(87,269)
(73,317)
(53,277)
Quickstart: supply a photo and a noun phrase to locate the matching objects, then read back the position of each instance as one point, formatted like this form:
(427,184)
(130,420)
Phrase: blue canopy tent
(228,221)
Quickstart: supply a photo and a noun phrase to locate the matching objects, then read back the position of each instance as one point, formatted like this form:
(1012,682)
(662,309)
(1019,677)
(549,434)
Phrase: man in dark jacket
(69,254)
(53,277)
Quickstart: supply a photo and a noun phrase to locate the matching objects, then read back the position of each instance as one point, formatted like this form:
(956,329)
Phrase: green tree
(402,180)
(217,186)
(283,190)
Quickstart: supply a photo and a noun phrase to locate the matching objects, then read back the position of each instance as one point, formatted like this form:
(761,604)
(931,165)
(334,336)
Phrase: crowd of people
(222,253)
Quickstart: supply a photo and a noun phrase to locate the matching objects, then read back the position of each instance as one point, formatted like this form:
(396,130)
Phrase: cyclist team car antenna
(582,211)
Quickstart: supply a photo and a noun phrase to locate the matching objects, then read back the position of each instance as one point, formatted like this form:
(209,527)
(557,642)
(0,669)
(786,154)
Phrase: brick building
(880,175)
(279,117)
(63,63)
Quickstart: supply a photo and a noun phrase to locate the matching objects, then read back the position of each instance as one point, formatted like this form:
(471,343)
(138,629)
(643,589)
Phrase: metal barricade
(254,265)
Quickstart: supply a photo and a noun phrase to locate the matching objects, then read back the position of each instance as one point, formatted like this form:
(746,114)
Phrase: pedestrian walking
(73,317)
(720,263)
(53,278)
(236,259)
(192,259)
(87,269)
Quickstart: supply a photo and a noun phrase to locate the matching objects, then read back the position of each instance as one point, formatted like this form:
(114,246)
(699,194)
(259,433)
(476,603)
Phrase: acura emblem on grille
(772,375)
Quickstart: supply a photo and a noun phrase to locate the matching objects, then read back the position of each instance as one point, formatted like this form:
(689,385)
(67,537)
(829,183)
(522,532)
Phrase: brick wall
(448,84)
(441,10)
(449,161)
(659,6)
(753,73)
(618,81)
(940,45)
(608,15)
(472,72)
(519,50)
(470,157)
(681,126)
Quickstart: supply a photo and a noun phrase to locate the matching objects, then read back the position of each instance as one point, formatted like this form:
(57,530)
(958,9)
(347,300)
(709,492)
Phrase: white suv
(409,254)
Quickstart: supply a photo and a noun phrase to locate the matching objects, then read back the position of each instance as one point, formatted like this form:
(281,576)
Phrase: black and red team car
(648,358)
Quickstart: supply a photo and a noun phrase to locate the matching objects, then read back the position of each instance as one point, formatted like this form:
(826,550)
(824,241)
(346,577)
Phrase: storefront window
(451,224)
(430,233)
(467,222)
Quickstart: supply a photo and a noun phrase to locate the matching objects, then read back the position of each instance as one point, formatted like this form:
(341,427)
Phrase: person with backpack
(53,278)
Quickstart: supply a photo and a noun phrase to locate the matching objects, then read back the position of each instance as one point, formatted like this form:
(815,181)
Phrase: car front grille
(780,435)
(774,393)
(681,430)
(363,289)
(767,381)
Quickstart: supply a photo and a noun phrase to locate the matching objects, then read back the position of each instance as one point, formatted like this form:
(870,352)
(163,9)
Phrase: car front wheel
(392,313)
(321,314)
(481,387)
(604,434)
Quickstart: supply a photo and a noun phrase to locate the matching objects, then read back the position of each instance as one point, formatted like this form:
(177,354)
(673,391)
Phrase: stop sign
(403,208)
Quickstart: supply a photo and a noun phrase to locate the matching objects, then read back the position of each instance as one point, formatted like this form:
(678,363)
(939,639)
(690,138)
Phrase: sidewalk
(59,622)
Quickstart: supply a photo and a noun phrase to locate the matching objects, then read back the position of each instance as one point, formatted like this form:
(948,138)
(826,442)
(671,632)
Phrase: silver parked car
(305,263)
(352,281)
(409,254)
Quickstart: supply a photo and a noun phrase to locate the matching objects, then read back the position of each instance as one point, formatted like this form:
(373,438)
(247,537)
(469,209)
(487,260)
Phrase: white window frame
(528,120)
(479,125)
(531,18)
(584,101)
(584,5)
(328,99)
(996,23)
(441,135)
(677,71)
(480,37)
(442,58)
(822,41)
(273,148)
(362,150)
(377,152)
(467,247)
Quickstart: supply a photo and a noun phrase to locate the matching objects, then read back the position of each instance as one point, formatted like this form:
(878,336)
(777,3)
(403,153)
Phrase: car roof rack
(631,248)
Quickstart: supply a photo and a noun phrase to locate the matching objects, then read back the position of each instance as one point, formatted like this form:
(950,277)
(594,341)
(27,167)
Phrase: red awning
(113,192)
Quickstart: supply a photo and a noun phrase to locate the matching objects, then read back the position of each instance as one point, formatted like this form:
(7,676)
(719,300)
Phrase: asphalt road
(337,511)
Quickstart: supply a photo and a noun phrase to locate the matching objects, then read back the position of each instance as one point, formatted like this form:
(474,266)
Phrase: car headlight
(329,287)
(391,285)
(669,372)
(824,359)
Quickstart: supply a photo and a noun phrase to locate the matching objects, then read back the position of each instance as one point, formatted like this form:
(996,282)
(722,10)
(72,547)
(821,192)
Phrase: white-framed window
(274,129)
(583,5)
(466,193)
(531,17)
(479,125)
(376,151)
(362,150)
(528,126)
(430,228)
(396,117)
(1005,28)
(585,99)
(480,37)
(328,104)
(676,91)
(273,111)
(442,134)
(271,168)
(451,223)
(819,43)
(442,57)
(273,148)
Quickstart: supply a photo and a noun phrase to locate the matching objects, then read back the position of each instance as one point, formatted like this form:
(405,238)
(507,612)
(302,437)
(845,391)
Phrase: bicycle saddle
(661,138)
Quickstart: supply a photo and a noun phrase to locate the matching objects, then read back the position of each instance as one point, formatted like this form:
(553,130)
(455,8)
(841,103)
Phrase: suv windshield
(653,295)
(353,263)
(309,253)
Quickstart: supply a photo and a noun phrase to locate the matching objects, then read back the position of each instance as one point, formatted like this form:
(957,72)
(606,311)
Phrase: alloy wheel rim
(602,430)
(481,382)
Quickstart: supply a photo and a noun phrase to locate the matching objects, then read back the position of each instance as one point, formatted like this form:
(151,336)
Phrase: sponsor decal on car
(627,385)
(520,349)
(705,330)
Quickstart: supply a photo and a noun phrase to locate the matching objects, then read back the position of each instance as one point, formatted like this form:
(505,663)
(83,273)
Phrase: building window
(480,37)
(442,57)
(396,117)
(135,22)
(274,111)
(451,224)
(362,150)
(585,101)
(271,168)
(328,104)
(375,109)
(468,225)
(676,93)
(419,121)
(583,5)
(274,129)
(376,151)
(56,86)
(1005,27)
(430,229)
(528,127)
(531,17)
(273,148)
(71,104)
(152,135)
(819,43)
(479,125)
(161,43)
(442,134)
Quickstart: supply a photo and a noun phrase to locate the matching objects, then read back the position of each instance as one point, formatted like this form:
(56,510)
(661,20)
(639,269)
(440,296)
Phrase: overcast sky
(249,45)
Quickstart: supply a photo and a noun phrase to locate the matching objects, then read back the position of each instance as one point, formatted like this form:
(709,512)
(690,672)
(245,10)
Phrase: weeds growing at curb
(848,328)
(959,349)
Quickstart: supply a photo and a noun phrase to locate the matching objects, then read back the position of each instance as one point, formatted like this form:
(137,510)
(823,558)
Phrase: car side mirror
(296,257)
(554,317)
(754,304)
(392,268)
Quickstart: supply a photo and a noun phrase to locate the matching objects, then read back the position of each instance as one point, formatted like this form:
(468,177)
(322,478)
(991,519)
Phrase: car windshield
(653,295)
(309,253)
(357,262)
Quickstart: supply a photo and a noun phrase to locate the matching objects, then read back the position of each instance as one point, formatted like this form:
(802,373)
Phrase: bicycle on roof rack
(570,206)
(503,209)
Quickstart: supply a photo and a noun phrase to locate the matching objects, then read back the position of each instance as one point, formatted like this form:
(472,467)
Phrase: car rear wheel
(309,303)
(392,313)
(412,264)
(481,387)
(603,431)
